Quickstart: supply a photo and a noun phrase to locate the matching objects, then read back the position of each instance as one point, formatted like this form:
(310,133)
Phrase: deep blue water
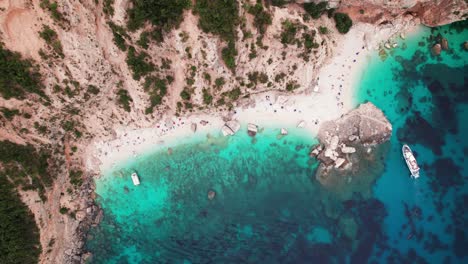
(270,208)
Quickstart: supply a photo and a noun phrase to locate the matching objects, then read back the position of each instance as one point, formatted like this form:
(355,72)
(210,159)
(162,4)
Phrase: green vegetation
(108,7)
(162,14)
(234,93)
(52,7)
(323,30)
(292,85)
(185,94)
(19,235)
(92,89)
(18,76)
(139,63)
(229,54)
(219,82)
(63,210)
(309,41)
(207,77)
(262,18)
(207,97)
(280,3)
(76,179)
(52,40)
(220,17)
(343,22)
(9,113)
(156,87)
(315,10)
(288,35)
(119,34)
(124,99)
(144,40)
(25,166)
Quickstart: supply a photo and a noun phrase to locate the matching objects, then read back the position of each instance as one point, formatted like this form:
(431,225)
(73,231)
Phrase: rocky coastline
(89,216)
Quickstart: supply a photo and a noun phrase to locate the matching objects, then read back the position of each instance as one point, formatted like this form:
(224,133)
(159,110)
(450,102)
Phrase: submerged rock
(436,49)
(211,194)
(465,45)
(444,44)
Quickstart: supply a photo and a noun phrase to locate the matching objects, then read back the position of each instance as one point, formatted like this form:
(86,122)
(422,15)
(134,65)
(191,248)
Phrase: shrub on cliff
(261,17)
(18,76)
(139,63)
(315,10)
(163,14)
(221,18)
(124,99)
(343,22)
(19,235)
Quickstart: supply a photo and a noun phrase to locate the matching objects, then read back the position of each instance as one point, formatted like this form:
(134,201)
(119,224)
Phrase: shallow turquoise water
(269,208)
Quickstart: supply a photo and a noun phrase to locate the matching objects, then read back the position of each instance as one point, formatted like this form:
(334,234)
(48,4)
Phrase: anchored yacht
(410,161)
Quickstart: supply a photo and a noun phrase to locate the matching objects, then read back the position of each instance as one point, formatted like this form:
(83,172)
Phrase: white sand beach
(336,84)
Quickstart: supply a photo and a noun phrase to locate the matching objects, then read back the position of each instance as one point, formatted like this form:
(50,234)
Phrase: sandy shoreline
(336,83)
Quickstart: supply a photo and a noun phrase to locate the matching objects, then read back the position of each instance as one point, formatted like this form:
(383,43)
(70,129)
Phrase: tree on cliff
(343,22)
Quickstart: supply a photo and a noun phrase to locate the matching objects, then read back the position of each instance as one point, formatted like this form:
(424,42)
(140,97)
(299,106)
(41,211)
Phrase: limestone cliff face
(429,12)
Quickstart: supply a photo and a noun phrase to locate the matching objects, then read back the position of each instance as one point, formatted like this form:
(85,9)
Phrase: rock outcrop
(230,128)
(436,49)
(428,12)
(352,147)
(365,126)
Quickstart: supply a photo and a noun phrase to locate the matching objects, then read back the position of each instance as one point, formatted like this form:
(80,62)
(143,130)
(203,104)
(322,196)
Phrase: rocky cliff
(428,12)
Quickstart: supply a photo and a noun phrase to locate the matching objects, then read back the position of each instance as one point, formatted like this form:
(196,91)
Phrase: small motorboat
(135,179)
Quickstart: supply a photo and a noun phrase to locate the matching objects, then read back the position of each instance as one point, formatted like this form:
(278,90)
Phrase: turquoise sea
(270,208)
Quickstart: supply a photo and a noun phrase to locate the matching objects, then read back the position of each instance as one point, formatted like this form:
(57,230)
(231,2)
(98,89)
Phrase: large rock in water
(349,146)
(366,124)
(436,49)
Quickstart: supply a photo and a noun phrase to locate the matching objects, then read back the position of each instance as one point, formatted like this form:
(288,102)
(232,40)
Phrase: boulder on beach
(436,49)
(284,132)
(227,131)
(301,124)
(230,128)
(233,125)
(252,129)
(193,126)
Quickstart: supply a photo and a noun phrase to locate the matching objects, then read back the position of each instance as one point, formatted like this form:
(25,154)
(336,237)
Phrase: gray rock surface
(363,126)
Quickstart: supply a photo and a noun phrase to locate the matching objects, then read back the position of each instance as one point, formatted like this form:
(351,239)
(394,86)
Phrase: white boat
(410,161)
(135,179)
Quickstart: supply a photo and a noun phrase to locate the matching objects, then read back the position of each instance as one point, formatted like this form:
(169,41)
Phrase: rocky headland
(349,146)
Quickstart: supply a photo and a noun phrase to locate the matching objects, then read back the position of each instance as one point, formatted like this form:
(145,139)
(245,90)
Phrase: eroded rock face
(429,12)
